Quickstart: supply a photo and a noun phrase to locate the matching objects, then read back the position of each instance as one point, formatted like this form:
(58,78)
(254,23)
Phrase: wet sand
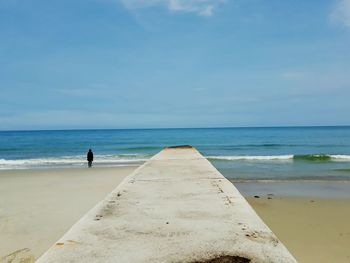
(313,223)
(38,206)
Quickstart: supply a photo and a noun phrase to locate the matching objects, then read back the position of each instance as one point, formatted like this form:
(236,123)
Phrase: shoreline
(48,169)
(302,189)
(73,167)
(138,164)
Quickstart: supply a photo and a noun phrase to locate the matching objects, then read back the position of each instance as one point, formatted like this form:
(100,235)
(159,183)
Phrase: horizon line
(179,128)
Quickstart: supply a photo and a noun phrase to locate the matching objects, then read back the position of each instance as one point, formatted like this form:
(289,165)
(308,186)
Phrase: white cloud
(200,7)
(341,12)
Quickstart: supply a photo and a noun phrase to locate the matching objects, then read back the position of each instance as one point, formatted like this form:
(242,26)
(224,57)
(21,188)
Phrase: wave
(306,157)
(249,157)
(343,170)
(313,157)
(268,146)
(322,157)
(136,159)
(74,161)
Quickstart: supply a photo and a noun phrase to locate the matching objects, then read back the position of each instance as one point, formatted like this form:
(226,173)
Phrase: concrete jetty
(175,208)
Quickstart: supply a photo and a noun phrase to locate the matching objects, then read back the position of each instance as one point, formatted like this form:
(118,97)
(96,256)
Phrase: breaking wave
(306,157)
(74,161)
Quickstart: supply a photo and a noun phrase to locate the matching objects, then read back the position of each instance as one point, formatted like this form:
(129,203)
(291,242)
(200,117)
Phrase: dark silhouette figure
(90,158)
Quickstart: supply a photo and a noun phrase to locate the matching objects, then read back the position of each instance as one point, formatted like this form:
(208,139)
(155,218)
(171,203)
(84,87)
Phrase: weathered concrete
(175,208)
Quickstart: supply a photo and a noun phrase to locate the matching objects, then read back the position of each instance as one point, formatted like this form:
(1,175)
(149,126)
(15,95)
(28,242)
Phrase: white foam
(249,157)
(333,157)
(340,157)
(130,159)
(68,161)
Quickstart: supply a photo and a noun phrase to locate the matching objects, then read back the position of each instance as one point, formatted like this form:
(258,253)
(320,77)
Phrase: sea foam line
(249,157)
(73,161)
(306,157)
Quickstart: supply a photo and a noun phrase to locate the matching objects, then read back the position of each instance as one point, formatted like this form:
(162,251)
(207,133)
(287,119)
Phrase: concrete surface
(175,208)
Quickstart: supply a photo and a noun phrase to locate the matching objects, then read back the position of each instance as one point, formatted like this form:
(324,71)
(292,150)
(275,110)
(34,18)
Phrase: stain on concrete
(225,259)
(262,237)
(98,217)
(59,244)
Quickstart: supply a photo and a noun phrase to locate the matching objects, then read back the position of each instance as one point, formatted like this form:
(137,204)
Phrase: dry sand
(38,206)
(313,229)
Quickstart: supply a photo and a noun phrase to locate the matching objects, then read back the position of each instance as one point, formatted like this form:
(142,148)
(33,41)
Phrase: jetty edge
(176,207)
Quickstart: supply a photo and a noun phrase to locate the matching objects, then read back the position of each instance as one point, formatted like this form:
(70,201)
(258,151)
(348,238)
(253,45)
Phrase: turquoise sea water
(293,153)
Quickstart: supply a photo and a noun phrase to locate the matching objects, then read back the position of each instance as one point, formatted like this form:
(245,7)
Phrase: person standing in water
(90,158)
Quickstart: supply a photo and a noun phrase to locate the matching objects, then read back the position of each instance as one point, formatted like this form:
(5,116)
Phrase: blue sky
(173,63)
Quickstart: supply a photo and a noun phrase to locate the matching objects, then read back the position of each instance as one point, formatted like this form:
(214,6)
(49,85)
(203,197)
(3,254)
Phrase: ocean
(240,154)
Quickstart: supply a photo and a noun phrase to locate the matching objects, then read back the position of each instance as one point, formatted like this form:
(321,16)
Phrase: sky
(78,64)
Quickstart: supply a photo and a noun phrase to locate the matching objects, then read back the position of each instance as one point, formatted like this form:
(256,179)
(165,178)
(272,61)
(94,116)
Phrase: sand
(38,206)
(311,218)
(313,229)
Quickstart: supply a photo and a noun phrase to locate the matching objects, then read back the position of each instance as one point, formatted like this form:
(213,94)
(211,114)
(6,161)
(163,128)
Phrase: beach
(312,219)
(38,206)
